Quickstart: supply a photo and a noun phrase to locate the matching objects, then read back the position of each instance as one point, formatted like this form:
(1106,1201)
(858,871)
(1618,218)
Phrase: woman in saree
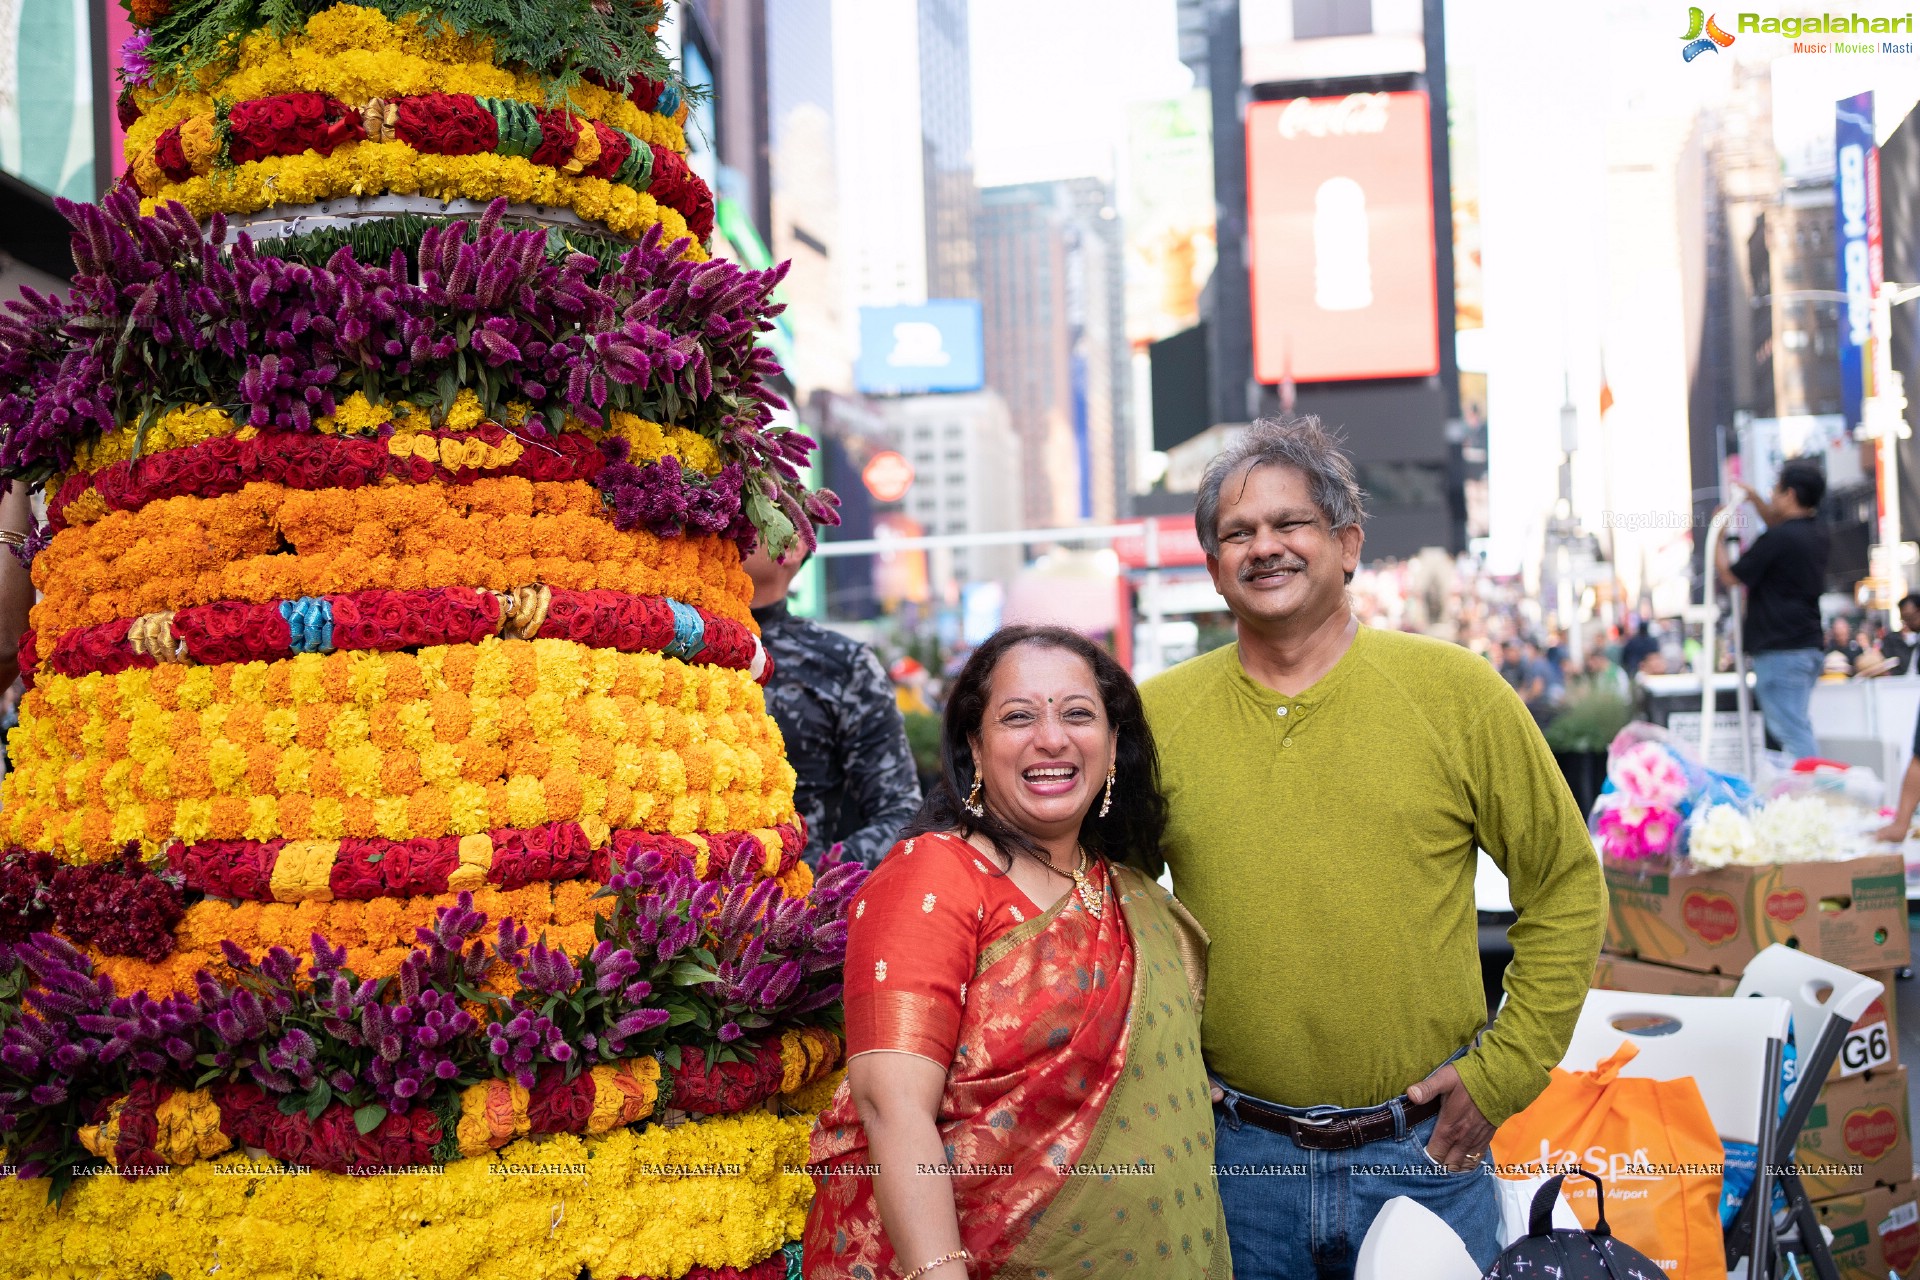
(1024,1094)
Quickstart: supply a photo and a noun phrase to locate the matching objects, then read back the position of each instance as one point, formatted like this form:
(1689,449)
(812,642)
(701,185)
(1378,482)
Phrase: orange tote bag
(1653,1144)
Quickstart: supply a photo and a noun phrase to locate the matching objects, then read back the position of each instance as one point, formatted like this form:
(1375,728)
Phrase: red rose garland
(450,124)
(614,150)
(251,1117)
(386,621)
(171,156)
(289,123)
(453,124)
(724,1087)
(558,1105)
(559,133)
(369,868)
(678,187)
(298,460)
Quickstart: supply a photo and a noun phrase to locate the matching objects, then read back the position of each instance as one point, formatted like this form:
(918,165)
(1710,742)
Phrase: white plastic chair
(1827,1002)
(1732,1049)
(1409,1241)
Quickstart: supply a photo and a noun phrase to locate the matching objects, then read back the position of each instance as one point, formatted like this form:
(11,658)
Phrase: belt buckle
(1334,1130)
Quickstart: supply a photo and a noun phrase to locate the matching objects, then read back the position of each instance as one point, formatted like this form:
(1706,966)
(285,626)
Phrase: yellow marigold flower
(357,415)
(198,142)
(304,870)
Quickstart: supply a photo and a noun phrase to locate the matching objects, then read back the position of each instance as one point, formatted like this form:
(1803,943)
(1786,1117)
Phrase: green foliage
(1589,721)
(375,240)
(923,737)
(557,39)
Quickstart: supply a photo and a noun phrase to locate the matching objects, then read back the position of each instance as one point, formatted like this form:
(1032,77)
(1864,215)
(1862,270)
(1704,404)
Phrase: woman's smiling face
(1045,744)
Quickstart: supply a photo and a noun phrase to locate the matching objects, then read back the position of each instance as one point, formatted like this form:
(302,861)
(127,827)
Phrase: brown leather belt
(1340,1133)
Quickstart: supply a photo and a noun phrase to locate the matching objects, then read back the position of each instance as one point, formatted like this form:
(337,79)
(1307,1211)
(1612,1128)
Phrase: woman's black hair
(1130,832)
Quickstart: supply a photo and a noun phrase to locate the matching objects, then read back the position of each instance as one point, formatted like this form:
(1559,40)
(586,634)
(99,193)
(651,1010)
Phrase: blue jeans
(1784,680)
(1294,1214)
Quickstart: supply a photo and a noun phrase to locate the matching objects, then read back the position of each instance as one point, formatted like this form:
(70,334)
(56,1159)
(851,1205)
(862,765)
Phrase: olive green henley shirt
(1326,842)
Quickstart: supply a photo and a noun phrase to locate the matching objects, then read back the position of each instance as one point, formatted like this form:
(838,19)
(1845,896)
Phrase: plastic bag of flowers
(1655,783)
(1794,825)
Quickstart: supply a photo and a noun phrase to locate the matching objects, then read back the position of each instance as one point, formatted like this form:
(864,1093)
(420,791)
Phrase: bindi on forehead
(1034,700)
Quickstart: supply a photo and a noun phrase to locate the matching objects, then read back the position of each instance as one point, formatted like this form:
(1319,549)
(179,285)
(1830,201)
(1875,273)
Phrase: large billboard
(934,346)
(1340,230)
(1856,209)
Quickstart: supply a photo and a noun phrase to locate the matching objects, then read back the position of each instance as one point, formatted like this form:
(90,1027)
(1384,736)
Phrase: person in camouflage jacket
(856,785)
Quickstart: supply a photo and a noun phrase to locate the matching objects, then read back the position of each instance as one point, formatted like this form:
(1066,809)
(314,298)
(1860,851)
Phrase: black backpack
(1570,1255)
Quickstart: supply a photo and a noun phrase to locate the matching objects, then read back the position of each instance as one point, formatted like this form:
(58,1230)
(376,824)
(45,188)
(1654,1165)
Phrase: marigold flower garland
(498,534)
(494,1219)
(463,443)
(376,168)
(457,740)
(354,52)
(437,124)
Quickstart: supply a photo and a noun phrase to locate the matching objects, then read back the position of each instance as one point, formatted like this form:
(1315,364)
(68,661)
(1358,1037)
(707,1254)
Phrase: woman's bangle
(958,1255)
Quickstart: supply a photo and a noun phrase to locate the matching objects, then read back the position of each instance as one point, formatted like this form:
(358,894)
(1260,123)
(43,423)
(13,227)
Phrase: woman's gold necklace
(1083,886)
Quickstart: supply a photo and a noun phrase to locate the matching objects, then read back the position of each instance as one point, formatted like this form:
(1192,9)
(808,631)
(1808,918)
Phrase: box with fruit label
(1619,973)
(1853,913)
(1857,1136)
(1876,1233)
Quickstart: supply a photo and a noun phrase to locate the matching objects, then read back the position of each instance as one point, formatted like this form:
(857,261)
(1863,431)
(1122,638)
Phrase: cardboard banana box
(1876,1233)
(1853,913)
(1857,1136)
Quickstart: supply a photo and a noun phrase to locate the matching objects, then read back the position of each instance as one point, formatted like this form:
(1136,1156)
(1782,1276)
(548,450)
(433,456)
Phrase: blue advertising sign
(1856,205)
(935,346)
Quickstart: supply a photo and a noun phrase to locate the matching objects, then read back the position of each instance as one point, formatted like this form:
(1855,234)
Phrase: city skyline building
(946,130)
(1054,297)
(804,208)
(904,144)
(967,479)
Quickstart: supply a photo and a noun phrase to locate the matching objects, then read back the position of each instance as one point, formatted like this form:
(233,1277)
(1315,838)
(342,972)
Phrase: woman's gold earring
(973,805)
(1106,804)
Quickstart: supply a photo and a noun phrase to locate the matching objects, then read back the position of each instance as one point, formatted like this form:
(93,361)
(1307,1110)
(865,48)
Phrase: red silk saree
(1076,1117)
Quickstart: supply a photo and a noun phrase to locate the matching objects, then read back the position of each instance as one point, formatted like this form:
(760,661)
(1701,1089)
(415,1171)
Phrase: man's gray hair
(1301,443)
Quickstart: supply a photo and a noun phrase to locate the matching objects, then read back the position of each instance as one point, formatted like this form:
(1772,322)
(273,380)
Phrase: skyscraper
(946,130)
(804,209)
(904,145)
(1053,291)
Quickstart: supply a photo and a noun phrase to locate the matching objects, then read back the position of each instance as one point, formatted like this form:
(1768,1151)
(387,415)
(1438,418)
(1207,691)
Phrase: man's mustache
(1272,564)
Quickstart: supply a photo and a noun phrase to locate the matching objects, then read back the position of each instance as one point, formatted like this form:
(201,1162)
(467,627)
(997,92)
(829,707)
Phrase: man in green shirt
(1329,784)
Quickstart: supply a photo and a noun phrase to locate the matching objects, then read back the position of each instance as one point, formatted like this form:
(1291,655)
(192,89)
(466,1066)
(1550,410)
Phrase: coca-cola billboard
(1340,231)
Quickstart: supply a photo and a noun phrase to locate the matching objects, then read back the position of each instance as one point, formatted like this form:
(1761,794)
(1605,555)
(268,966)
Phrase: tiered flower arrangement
(406,98)
(398,849)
